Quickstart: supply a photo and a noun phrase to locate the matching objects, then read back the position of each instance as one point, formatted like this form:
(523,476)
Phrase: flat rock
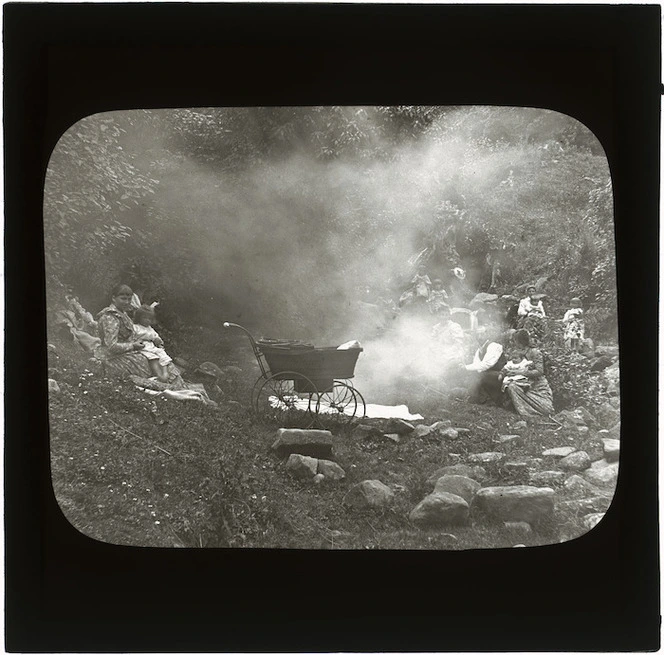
(611,449)
(399,426)
(331,470)
(602,473)
(368,431)
(302,466)
(53,386)
(485,458)
(440,509)
(393,437)
(562,451)
(459,485)
(315,443)
(578,485)
(585,505)
(547,478)
(515,503)
(591,520)
(577,461)
(369,494)
(507,438)
(462,431)
(441,425)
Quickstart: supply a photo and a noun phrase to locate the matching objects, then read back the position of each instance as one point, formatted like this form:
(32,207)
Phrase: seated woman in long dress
(119,351)
(537,398)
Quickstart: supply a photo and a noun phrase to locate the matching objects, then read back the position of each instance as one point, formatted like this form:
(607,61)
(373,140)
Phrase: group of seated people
(508,368)
(133,347)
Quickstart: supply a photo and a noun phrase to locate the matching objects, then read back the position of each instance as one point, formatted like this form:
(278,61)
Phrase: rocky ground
(134,469)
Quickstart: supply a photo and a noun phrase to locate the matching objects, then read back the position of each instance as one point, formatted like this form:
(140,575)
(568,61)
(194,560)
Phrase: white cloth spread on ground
(372,410)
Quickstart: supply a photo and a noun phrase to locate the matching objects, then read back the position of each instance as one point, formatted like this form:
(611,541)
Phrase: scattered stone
(181,363)
(593,446)
(515,503)
(318,478)
(331,470)
(53,386)
(585,505)
(454,458)
(515,468)
(441,425)
(610,351)
(449,433)
(602,473)
(315,443)
(459,485)
(582,430)
(422,431)
(578,485)
(591,520)
(602,362)
(563,451)
(485,458)
(547,478)
(393,437)
(614,432)
(577,461)
(302,466)
(570,418)
(588,418)
(52,348)
(369,493)
(611,449)
(473,472)
(608,416)
(520,425)
(438,509)
(507,438)
(463,431)
(518,526)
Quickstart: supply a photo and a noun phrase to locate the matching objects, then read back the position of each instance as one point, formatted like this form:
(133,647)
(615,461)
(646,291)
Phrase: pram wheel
(338,406)
(284,399)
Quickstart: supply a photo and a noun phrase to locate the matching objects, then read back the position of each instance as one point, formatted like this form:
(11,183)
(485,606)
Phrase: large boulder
(53,386)
(578,461)
(331,470)
(458,485)
(369,494)
(440,509)
(301,466)
(602,474)
(515,503)
(315,443)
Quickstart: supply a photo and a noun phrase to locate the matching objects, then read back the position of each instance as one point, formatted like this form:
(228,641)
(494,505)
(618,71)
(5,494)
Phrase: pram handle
(254,345)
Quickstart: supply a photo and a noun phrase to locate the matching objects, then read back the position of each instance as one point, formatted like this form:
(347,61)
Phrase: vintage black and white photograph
(332,327)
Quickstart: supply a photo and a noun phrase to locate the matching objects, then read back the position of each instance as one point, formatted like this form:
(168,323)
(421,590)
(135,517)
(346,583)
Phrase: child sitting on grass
(153,344)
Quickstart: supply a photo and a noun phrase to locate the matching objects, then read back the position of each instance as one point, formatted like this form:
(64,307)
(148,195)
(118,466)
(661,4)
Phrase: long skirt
(134,363)
(535,401)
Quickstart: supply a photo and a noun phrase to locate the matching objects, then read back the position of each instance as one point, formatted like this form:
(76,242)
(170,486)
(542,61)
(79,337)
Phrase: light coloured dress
(574,327)
(150,338)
